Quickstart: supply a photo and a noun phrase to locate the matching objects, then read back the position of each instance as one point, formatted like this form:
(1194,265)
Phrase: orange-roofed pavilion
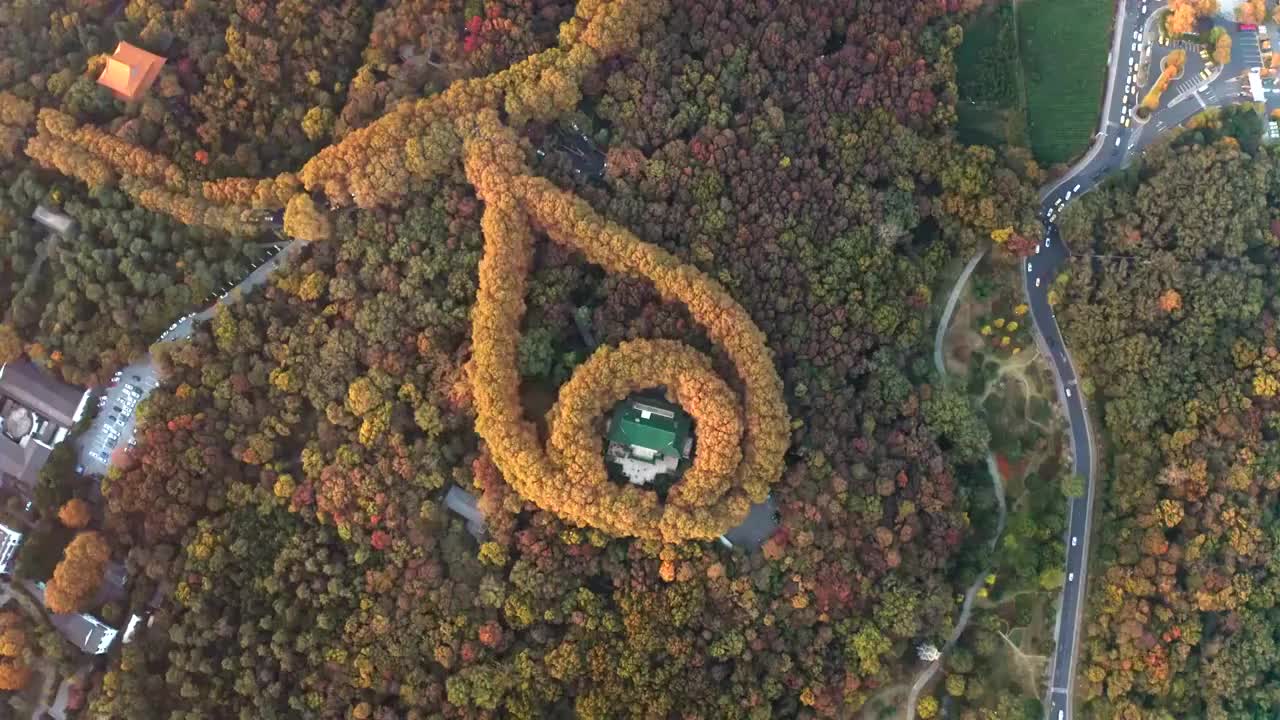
(130,71)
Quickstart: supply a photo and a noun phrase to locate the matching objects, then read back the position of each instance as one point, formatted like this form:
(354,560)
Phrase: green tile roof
(651,424)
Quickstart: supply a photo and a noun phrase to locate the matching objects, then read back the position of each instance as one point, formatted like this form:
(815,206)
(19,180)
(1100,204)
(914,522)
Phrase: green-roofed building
(648,438)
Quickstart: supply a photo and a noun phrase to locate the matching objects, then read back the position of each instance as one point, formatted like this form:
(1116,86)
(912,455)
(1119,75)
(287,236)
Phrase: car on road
(1037,249)
(1037,282)
(1076,188)
(1071,577)
(1028,267)
(1125,121)
(1144,8)
(1074,540)
(1068,392)
(1047,241)
(1117,142)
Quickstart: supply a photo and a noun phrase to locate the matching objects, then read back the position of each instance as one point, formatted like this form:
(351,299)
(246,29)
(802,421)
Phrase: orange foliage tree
(1184,13)
(569,478)
(14,648)
(78,576)
(1173,64)
(1252,11)
(1170,300)
(75,514)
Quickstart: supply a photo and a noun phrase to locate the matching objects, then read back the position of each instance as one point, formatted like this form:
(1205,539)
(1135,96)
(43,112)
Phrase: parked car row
(123,402)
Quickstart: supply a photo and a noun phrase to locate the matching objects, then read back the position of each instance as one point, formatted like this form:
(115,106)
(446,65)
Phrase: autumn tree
(306,222)
(75,514)
(77,578)
(15,648)
(1181,15)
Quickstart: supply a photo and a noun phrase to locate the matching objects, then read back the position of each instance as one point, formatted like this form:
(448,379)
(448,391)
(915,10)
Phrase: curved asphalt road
(1113,145)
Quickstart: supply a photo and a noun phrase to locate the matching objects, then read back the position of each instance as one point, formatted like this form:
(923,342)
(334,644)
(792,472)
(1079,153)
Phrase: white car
(1117,142)
(1137,34)
(1076,188)
(1037,282)
(1074,540)
(1028,267)
(1037,249)
(1071,577)
(1068,392)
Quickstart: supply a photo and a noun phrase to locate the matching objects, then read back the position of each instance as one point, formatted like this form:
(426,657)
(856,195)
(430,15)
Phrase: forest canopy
(788,167)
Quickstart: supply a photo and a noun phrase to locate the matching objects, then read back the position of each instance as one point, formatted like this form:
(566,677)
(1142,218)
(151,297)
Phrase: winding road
(1134,45)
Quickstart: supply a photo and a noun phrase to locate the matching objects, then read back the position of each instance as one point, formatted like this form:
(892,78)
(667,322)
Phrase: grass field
(1064,48)
(988,74)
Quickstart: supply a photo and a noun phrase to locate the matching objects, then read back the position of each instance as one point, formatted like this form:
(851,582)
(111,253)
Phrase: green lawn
(990,111)
(1064,48)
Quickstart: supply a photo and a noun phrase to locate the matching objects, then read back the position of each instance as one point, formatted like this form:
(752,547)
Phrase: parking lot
(113,428)
(1244,47)
(117,407)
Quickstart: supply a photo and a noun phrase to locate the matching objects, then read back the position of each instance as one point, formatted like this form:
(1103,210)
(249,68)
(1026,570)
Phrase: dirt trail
(997,486)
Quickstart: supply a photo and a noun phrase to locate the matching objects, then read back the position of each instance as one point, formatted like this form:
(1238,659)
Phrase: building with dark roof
(36,413)
(43,394)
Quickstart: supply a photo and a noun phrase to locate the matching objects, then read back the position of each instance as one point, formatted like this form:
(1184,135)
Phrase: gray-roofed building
(53,220)
(464,503)
(36,413)
(20,463)
(10,539)
(35,390)
(87,632)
